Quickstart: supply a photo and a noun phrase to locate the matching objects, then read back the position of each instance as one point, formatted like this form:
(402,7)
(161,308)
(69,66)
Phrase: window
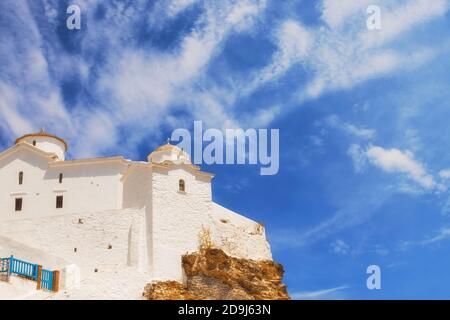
(59,202)
(181,185)
(18,206)
(20,177)
(34,142)
(60,177)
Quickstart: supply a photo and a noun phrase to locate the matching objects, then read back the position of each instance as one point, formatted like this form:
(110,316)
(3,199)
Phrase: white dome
(169,152)
(46,142)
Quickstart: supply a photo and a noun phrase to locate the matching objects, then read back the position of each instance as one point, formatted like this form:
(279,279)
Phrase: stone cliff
(213,275)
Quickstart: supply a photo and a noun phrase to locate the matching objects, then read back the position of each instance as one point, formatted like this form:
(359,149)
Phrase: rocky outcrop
(212,274)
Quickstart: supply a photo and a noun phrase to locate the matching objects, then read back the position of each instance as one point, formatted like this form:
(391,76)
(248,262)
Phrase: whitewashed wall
(137,193)
(237,235)
(105,241)
(137,186)
(87,187)
(178,218)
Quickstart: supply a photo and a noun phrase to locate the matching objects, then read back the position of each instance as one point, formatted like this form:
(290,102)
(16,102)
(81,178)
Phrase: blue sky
(363,116)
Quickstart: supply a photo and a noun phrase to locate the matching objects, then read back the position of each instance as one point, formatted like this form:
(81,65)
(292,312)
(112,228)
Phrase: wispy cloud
(132,86)
(358,156)
(364,205)
(340,247)
(294,42)
(138,86)
(346,53)
(354,213)
(445,174)
(439,236)
(335,121)
(25,81)
(324,294)
(335,14)
(395,160)
(443,234)
(391,160)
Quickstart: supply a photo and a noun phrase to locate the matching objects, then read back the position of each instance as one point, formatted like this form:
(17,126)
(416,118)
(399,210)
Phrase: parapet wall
(95,242)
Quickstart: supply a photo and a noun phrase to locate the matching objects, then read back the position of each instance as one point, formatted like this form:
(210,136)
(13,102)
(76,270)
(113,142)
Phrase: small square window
(59,202)
(19,203)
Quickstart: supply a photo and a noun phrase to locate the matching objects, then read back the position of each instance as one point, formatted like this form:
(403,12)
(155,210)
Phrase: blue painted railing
(29,270)
(23,268)
(47,280)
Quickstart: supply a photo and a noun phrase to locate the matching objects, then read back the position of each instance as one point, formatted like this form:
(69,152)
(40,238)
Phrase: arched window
(181,185)
(60,178)
(20,177)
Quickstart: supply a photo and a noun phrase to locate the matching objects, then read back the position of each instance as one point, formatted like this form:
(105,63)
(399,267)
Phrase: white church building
(101,216)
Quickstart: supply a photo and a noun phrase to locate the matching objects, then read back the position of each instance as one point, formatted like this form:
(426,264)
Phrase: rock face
(211,274)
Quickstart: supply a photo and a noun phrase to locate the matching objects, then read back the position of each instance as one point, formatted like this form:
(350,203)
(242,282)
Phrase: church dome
(46,142)
(169,152)
(167,147)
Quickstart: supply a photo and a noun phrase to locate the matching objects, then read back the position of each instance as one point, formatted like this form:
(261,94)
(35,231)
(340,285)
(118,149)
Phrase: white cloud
(25,68)
(346,53)
(397,20)
(413,139)
(445,210)
(262,118)
(334,13)
(443,234)
(100,129)
(12,120)
(294,42)
(242,13)
(133,88)
(139,88)
(142,87)
(177,6)
(358,156)
(340,247)
(316,140)
(395,160)
(445,174)
(335,122)
(381,251)
(325,294)
(359,132)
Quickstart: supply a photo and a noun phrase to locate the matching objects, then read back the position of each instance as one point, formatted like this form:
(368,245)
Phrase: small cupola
(169,152)
(46,142)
